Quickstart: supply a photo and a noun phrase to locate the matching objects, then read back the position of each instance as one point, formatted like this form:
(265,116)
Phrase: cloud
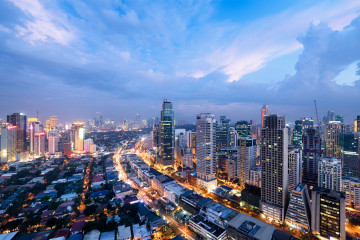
(43,25)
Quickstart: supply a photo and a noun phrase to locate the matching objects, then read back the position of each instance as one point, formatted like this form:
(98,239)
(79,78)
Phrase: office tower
(33,128)
(101,120)
(339,118)
(349,143)
(19,120)
(222,130)
(78,133)
(330,173)
(294,167)
(332,132)
(298,214)
(329,117)
(351,187)
(264,113)
(297,134)
(87,145)
(137,123)
(246,158)
(232,137)
(180,143)
(8,143)
(232,167)
(357,124)
(307,122)
(53,123)
(53,143)
(189,138)
(328,213)
(205,148)
(274,167)
(47,126)
(156,132)
(39,144)
(311,142)
(167,135)
(243,128)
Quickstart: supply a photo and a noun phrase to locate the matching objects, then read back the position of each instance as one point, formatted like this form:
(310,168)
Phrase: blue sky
(74,58)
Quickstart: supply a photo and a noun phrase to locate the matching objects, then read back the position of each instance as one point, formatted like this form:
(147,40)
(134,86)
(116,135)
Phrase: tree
(51,222)
(89,210)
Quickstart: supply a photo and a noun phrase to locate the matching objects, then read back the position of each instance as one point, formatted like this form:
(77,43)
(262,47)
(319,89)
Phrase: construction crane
(317,115)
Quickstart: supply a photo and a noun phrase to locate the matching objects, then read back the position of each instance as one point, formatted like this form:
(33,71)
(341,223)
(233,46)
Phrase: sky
(80,58)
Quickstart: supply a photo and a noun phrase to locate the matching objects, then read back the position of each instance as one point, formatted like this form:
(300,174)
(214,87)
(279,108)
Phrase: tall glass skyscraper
(167,135)
(19,120)
(222,129)
(297,134)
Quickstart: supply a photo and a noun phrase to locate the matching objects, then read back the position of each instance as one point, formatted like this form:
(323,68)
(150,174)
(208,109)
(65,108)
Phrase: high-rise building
(332,132)
(137,123)
(33,128)
(339,118)
(274,167)
(87,145)
(329,117)
(298,214)
(53,123)
(19,120)
(39,144)
(205,147)
(264,113)
(53,143)
(246,158)
(8,143)
(349,143)
(167,135)
(311,142)
(222,130)
(357,124)
(243,128)
(78,132)
(232,137)
(297,133)
(351,187)
(294,167)
(328,213)
(330,173)
(307,122)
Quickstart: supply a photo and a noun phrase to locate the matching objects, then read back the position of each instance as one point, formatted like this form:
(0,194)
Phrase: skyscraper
(53,123)
(53,144)
(246,158)
(349,143)
(222,130)
(264,113)
(332,132)
(138,124)
(8,143)
(78,132)
(311,142)
(330,173)
(357,124)
(307,122)
(232,137)
(167,135)
(294,167)
(274,167)
(33,128)
(243,128)
(297,133)
(39,144)
(19,120)
(205,147)
(339,118)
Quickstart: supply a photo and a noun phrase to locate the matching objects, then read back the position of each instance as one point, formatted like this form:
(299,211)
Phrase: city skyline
(73,58)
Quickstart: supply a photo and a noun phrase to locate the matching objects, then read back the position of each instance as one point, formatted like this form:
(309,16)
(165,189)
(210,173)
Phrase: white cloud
(43,25)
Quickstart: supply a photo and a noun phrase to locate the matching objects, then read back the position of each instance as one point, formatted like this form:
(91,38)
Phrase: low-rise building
(218,214)
(124,233)
(206,229)
(173,191)
(351,187)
